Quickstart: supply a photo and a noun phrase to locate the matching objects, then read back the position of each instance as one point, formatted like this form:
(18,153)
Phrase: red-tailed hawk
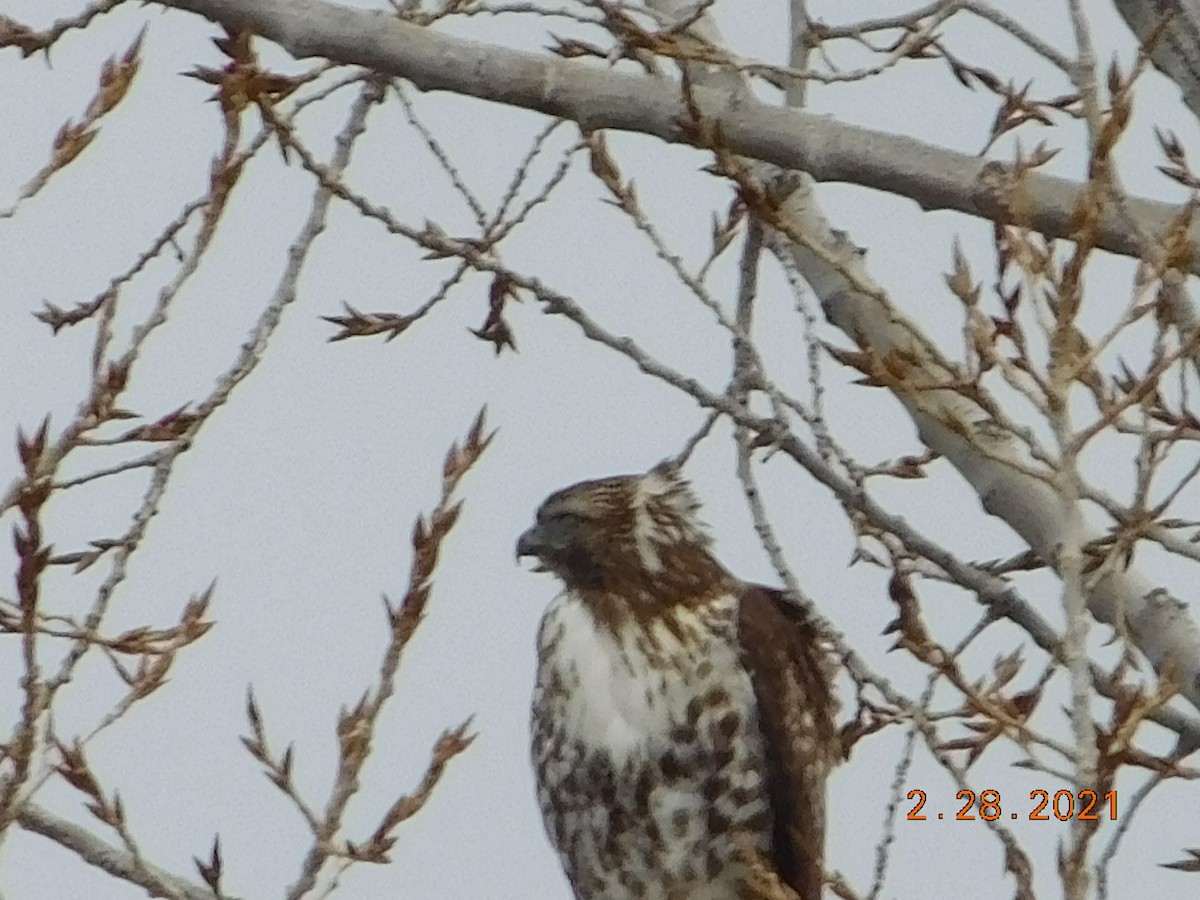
(682,719)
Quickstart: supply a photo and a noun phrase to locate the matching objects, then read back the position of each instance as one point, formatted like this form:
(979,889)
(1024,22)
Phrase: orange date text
(1043,806)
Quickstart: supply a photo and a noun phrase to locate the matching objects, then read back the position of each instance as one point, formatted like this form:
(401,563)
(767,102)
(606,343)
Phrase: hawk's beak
(530,544)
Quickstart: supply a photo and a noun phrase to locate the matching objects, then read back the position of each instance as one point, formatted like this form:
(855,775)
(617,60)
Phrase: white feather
(610,708)
(609,674)
(645,529)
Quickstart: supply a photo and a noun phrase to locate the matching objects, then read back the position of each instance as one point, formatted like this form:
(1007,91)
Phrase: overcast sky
(299,496)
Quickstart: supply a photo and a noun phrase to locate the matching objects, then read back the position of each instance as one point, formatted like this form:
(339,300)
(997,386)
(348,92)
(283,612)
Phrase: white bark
(990,460)
(1176,52)
(828,150)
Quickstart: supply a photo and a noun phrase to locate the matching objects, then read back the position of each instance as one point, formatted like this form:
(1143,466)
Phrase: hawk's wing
(795,713)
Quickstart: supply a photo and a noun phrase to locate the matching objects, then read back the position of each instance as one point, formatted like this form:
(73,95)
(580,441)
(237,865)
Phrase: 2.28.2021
(1084,805)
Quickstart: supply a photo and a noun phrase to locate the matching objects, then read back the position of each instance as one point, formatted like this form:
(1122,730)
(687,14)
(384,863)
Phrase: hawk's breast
(649,760)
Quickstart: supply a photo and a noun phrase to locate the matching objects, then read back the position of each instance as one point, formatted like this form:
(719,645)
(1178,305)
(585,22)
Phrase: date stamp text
(1042,806)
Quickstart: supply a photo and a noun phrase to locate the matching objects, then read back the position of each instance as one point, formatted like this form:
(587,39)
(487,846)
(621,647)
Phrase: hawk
(682,723)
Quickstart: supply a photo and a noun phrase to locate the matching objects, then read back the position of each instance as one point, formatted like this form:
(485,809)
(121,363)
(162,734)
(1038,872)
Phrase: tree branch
(113,860)
(828,150)
(1173,28)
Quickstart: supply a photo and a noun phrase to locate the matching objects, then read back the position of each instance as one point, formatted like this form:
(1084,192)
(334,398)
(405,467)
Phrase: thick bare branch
(828,150)
(1171,29)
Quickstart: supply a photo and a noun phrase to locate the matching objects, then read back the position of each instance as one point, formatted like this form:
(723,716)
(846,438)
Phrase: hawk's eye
(562,517)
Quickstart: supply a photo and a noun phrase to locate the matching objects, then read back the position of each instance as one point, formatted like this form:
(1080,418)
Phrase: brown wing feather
(795,713)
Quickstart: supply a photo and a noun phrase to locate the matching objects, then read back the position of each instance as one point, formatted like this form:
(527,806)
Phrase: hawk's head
(635,535)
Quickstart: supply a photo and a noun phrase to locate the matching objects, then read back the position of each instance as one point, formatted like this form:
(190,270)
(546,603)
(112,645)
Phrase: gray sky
(300,495)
